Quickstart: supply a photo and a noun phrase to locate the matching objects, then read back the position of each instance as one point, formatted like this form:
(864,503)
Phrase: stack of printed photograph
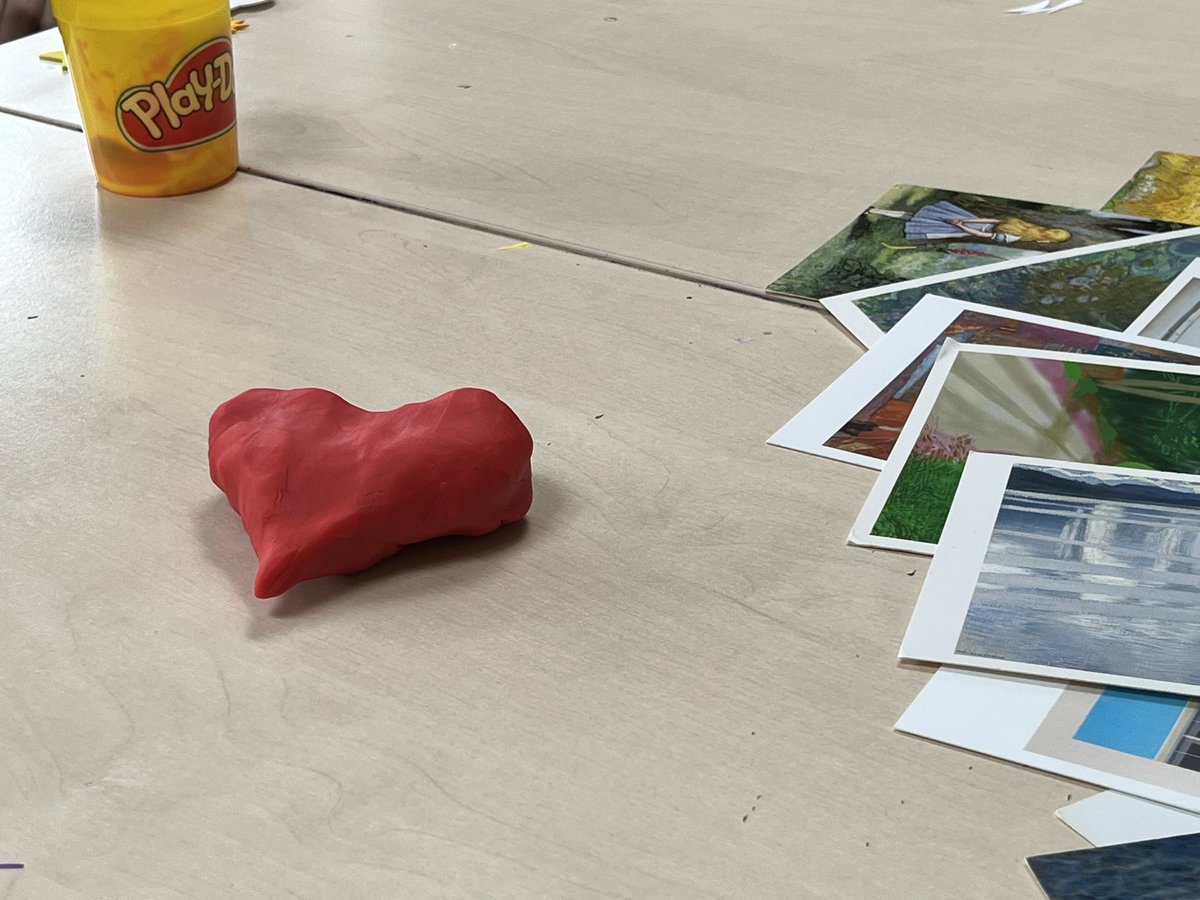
(1030,396)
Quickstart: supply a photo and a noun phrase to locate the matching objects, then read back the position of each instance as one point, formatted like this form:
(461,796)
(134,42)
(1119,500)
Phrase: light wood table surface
(675,680)
(728,139)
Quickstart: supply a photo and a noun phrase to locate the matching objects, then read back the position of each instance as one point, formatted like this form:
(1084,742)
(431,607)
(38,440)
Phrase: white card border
(997,715)
(820,419)
(945,597)
(1151,312)
(1110,818)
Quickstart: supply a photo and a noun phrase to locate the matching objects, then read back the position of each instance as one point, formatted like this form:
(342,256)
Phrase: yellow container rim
(133,14)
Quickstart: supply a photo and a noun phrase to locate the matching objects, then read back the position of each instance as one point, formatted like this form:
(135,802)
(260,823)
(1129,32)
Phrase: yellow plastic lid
(133,14)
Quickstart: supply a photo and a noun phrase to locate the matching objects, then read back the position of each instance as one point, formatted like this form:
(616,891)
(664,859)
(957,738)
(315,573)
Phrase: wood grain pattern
(674,681)
(729,139)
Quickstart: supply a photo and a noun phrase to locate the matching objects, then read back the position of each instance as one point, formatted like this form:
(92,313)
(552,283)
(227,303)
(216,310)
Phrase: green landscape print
(1053,409)
(1107,289)
(913,232)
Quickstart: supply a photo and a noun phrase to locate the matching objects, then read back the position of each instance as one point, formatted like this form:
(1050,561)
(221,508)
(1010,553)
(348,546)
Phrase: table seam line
(504,231)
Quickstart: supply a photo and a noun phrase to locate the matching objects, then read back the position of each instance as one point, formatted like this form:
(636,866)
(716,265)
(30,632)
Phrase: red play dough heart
(326,488)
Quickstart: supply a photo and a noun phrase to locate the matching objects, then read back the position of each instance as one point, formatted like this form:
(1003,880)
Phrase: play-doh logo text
(193,104)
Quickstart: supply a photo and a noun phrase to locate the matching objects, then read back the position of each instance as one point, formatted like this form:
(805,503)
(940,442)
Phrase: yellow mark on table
(55,56)
(236,25)
(520,245)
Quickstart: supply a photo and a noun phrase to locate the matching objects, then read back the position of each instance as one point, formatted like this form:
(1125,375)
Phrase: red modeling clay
(326,488)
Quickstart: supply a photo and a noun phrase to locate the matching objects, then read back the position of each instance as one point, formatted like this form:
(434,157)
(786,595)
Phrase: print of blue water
(1135,722)
(1159,869)
(1090,584)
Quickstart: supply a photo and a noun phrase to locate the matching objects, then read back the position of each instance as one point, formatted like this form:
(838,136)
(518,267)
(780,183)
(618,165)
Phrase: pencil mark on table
(753,807)
(224,692)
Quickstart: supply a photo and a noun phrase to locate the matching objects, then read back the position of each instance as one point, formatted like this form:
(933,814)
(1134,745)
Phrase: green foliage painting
(913,232)
(1077,411)
(914,509)
(1146,419)
(1108,288)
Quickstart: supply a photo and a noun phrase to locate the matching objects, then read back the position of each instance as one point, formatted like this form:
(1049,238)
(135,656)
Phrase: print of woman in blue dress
(943,221)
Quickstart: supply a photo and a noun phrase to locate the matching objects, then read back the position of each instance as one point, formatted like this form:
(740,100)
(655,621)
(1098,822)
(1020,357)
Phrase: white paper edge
(855,321)
(860,532)
(1032,7)
(1065,4)
(820,419)
(945,598)
(1151,312)
(997,715)
(1110,818)
(842,307)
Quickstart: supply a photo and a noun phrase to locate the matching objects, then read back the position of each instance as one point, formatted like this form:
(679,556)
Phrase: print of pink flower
(933,444)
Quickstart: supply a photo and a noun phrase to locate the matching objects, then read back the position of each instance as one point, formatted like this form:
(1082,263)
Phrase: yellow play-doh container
(154,83)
